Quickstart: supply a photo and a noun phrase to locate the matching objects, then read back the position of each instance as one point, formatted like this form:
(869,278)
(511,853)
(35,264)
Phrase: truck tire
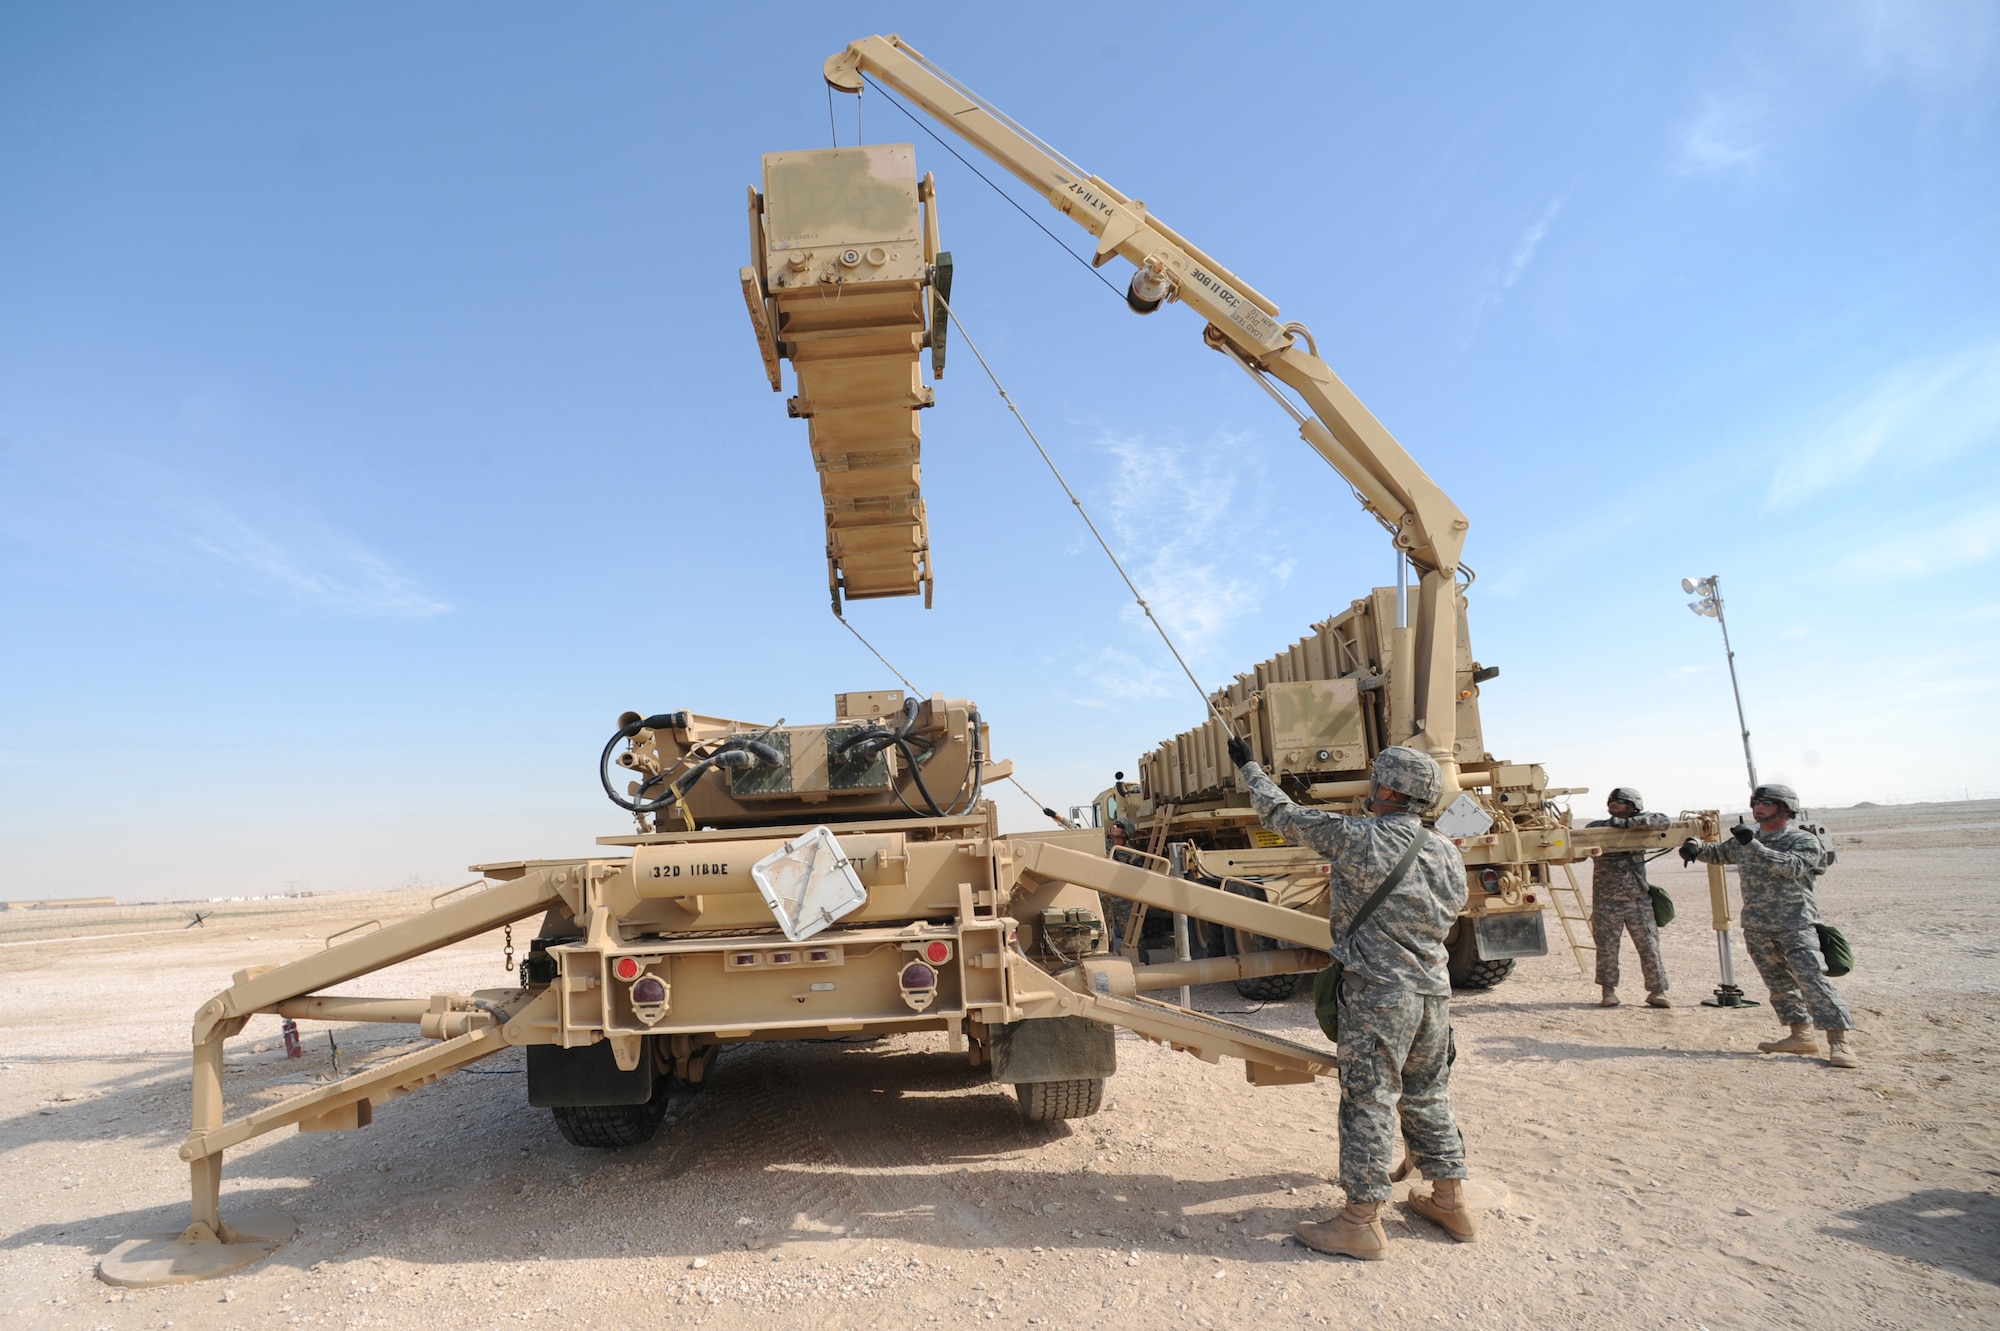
(1262,988)
(610,1127)
(1049,1101)
(1467,970)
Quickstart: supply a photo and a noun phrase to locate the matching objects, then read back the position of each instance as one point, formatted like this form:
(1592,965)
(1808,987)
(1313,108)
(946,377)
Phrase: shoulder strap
(1389,884)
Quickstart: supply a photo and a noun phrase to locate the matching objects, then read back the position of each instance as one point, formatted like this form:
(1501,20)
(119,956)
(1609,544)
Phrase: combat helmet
(1411,772)
(1785,795)
(1629,795)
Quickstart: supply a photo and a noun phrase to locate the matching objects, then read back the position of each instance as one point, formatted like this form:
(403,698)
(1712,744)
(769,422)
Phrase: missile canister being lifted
(844,244)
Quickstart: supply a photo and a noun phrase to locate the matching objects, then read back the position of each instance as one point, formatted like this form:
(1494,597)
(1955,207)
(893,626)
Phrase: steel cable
(1083,513)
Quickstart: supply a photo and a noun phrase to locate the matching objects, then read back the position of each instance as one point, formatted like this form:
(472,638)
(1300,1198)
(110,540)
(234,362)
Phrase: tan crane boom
(1244,325)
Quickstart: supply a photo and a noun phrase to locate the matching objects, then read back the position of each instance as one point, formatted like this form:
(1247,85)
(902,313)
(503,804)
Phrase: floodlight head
(1705,606)
(1698,586)
(1687,585)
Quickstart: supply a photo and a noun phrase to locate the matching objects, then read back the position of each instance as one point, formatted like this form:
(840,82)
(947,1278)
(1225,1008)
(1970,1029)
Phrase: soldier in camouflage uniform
(1775,866)
(1395,994)
(1621,902)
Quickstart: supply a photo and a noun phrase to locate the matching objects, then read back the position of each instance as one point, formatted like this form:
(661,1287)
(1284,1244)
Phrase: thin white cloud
(1726,134)
(1969,538)
(326,572)
(154,522)
(1934,45)
(1531,240)
(1174,516)
(1502,279)
(1117,676)
(1919,413)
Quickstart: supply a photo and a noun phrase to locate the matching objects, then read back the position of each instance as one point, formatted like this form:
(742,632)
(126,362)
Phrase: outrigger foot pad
(180,1259)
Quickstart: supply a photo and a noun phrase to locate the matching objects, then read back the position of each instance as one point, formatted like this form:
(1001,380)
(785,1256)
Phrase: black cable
(916,774)
(758,752)
(1088,267)
(604,767)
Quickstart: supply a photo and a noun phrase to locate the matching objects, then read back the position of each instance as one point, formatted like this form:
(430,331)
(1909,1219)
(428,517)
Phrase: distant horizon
(26,904)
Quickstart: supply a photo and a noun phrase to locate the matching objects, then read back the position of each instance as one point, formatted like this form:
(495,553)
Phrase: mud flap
(1501,936)
(561,1078)
(1053,1049)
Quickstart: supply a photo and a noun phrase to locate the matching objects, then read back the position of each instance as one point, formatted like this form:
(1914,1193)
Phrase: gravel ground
(1641,1168)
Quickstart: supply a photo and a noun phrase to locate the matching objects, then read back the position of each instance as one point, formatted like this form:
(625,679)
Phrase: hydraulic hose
(916,774)
(736,754)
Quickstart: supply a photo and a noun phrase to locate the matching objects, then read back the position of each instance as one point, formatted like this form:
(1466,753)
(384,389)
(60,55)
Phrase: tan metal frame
(1000,874)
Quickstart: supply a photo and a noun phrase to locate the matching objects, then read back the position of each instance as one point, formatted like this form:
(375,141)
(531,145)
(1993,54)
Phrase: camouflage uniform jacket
(1622,874)
(1776,873)
(1402,944)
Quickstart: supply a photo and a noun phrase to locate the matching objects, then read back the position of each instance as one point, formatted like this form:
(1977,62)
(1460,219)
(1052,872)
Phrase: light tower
(1709,589)
(1728,993)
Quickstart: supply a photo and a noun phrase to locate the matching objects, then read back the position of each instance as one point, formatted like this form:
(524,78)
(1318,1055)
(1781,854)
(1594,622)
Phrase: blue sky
(379,419)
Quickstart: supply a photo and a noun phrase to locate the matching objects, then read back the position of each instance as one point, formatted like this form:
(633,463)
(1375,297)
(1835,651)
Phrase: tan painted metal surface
(671,952)
(844,249)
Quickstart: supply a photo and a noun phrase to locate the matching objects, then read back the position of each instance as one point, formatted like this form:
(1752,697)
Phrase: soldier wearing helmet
(1395,994)
(1621,902)
(1776,864)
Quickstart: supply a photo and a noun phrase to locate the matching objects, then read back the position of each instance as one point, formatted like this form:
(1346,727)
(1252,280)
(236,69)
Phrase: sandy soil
(1648,1168)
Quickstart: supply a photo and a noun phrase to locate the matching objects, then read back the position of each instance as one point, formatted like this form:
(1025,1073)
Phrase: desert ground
(1640,1168)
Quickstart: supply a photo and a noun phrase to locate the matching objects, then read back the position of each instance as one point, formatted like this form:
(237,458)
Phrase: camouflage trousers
(1395,1073)
(1800,992)
(1612,915)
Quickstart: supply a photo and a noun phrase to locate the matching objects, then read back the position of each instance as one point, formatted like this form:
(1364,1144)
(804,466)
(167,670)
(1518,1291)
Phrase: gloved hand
(1239,752)
(1621,822)
(1688,850)
(1744,835)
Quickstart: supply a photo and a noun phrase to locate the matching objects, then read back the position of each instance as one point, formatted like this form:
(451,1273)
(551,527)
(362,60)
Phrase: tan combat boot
(1355,1232)
(1610,998)
(1445,1204)
(1658,1000)
(1839,1053)
(1800,1041)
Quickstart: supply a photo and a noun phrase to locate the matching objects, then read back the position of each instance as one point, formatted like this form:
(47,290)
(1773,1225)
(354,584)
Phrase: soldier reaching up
(1395,993)
(1621,902)
(1776,865)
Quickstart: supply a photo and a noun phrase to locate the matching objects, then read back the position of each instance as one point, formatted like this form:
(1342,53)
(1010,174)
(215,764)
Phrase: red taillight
(626,968)
(1490,879)
(937,953)
(649,990)
(916,975)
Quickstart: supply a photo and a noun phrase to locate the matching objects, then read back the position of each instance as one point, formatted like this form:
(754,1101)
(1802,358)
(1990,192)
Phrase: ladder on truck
(1573,909)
